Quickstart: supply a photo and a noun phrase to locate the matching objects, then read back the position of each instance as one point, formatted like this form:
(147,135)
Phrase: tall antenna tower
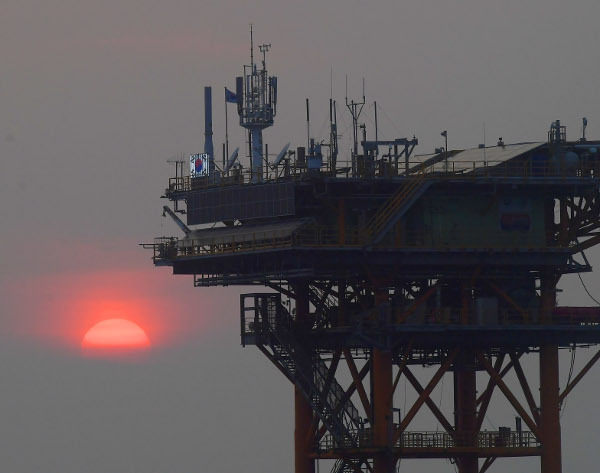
(257,105)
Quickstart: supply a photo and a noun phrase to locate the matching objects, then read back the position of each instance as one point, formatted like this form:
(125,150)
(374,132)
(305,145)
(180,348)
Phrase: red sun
(115,334)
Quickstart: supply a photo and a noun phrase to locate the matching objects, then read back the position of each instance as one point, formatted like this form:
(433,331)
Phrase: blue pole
(208,142)
(257,144)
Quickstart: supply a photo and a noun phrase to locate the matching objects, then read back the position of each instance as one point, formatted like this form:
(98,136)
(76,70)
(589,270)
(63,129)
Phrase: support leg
(382,385)
(550,414)
(465,407)
(551,461)
(303,434)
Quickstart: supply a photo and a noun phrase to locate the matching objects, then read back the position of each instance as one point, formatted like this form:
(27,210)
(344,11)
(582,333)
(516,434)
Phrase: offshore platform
(381,262)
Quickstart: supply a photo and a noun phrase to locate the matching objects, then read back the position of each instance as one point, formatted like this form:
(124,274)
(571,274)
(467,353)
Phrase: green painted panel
(500,221)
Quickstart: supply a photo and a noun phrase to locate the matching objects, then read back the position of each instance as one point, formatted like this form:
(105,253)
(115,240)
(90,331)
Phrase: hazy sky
(96,96)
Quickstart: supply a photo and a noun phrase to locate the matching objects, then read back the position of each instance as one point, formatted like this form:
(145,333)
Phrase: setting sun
(115,333)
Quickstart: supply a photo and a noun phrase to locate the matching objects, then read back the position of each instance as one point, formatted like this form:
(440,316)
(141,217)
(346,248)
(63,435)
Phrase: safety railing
(471,170)
(505,438)
(294,171)
(502,317)
(486,439)
(364,440)
(258,314)
(568,316)
(258,241)
(163,248)
(513,168)
(323,236)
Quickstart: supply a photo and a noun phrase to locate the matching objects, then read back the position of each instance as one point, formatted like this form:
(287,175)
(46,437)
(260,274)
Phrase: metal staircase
(350,466)
(309,372)
(396,206)
(324,304)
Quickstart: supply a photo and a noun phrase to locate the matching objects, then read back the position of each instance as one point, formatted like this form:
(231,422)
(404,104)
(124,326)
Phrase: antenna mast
(257,105)
(333,136)
(251,47)
(307,124)
(355,110)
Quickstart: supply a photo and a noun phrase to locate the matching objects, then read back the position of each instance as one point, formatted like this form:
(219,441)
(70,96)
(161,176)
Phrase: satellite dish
(280,156)
(232,159)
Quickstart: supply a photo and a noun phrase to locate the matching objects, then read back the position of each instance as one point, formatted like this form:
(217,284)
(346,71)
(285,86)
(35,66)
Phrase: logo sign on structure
(199,165)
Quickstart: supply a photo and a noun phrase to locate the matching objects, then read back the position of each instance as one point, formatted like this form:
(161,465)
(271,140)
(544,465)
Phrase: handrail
(453,170)
(269,316)
(325,236)
(445,317)
(443,440)
(402,195)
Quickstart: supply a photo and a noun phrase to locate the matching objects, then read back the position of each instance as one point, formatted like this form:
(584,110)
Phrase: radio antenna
(251,47)
(307,123)
(355,109)
(331,83)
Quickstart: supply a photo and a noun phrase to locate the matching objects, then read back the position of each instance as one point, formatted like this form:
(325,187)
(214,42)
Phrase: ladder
(325,395)
(391,211)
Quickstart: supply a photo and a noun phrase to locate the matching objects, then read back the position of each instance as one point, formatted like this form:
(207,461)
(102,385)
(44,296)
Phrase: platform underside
(447,336)
(317,263)
(434,452)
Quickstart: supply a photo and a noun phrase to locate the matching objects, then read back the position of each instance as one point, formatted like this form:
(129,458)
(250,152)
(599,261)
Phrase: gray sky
(95,96)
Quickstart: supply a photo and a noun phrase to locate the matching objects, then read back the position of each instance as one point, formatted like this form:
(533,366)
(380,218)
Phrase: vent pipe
(208,141)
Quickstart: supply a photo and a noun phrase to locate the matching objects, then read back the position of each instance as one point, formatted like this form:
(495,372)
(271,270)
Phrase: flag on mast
(230,96)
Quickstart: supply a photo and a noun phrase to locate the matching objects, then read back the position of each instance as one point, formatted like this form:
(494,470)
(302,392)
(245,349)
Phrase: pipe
(176,219)
(208,141)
